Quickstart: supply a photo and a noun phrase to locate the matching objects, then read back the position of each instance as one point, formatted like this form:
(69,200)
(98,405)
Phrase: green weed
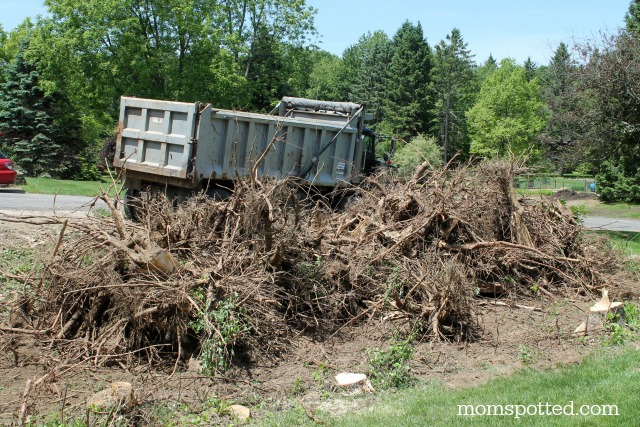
(320,373)
(624,324)
(17,262)
(222,324)
(526,355)
(579,212)
(310,270)
(389,368)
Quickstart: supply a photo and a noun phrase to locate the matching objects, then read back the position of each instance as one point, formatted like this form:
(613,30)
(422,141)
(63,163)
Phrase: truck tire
(340,202)
(218,193)
(132,204)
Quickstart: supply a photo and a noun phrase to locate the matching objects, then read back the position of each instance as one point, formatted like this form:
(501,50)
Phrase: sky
(504,28)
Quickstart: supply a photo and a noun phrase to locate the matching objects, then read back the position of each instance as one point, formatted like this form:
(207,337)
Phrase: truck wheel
(218,193)
(340,202)
(132,204)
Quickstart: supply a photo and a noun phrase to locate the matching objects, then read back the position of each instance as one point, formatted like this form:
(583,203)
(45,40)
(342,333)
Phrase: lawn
(66,187)
(609,378)
(626,241)
(617,210)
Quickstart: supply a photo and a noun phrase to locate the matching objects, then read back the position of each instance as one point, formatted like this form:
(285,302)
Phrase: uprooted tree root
(248,273)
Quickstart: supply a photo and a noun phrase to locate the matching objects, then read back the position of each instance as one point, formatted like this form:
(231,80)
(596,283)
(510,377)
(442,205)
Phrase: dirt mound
(568,195)
(233,281)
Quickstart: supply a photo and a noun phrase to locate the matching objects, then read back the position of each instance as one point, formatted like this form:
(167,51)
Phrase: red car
(7,174)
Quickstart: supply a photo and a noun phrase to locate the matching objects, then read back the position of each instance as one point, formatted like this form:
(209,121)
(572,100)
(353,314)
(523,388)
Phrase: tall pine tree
(489,66)
(632,18)
(530,69)
(366,70)
(455,87)
(410,99)
(561,131)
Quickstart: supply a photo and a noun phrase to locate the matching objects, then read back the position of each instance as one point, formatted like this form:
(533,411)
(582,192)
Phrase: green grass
(16,262)
(626,241)
(610,378)
(617,210)
(534,191)
(66,187)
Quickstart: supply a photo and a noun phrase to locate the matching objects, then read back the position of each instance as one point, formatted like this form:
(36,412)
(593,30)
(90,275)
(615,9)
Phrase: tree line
(61,79)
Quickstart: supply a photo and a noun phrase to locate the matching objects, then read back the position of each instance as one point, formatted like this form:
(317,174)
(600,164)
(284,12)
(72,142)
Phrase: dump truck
(180,148)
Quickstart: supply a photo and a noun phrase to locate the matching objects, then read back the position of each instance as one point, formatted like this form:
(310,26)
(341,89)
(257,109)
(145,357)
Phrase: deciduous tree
(508,114)
(609,83)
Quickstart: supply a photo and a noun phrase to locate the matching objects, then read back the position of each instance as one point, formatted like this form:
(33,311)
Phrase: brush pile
(244,275)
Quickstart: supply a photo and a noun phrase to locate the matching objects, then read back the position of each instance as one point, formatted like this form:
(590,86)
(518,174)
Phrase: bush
(389,368)
(409,156)
(222,325)
(108,152)
(614,186)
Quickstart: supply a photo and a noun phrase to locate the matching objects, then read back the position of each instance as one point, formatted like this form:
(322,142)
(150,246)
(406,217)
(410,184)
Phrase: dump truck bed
(185,143)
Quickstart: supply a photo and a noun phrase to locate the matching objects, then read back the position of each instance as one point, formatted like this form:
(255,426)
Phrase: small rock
(118,393)
(240,412)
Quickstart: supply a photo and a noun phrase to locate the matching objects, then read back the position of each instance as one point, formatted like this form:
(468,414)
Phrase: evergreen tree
(455,87)
(530,69)
(491,62)
(488,67)
(36,129)
(632,18)
(25,125)
(366,68)
(3,39)
(561,132)
(409,96)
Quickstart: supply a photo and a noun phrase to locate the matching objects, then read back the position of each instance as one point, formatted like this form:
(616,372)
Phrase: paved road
(15,201)
(603,223)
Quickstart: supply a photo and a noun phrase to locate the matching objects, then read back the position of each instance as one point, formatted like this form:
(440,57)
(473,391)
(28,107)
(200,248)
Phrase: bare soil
(537,332)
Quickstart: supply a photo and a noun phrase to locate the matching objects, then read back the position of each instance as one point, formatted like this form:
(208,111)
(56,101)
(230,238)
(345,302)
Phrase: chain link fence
(538,182)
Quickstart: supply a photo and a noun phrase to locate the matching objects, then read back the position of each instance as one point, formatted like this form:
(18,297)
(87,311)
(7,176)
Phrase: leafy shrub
(616,186)
(579,212)
(223,325)
(108,152)
(584,170)
(389,368)
(409,156)
(624,324)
